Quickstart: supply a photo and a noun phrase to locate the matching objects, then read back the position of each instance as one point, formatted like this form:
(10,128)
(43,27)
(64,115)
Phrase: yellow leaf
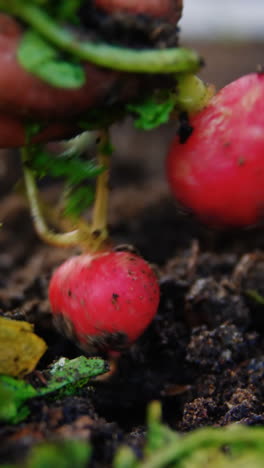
(20,348)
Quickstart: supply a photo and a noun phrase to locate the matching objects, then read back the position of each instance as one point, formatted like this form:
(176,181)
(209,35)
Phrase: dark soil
(203,356)
(137,31)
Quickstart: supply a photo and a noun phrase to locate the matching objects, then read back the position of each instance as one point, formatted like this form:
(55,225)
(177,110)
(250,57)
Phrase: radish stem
(45,233)
(99,219)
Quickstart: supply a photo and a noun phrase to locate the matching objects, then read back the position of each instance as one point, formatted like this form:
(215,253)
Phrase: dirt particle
(114,299)
(241,161)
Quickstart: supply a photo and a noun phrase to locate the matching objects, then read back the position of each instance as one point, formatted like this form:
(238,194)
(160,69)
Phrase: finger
(25,95)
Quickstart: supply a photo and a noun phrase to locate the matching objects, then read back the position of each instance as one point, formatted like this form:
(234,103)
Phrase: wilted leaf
(20,348)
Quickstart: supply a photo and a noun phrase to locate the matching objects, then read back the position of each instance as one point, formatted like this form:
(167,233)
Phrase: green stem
(169,60)
(206,438)
(99,219)
(45,233)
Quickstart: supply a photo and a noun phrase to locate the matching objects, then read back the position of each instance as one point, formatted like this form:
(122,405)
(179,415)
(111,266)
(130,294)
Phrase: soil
(203,355)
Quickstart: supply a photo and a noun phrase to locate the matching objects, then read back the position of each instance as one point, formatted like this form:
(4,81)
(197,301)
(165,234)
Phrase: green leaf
(62,454)
(68,376)
(61,9)
(67,10)
(13,394)
(40,58)
(152,112)
(255,295)
(32,129)
(78,200)
(235,446)
(125,458)
(158,435)
(107,148)
(204,447)
(65,454)
(74,169)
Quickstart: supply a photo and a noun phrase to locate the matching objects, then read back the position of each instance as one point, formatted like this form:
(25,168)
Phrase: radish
(217,173)
(104,301)
(169,9)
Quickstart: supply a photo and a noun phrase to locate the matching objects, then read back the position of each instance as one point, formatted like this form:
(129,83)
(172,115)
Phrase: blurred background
(214,20)
(229,34)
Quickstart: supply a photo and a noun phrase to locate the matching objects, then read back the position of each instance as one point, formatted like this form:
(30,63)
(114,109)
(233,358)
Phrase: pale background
(214,19)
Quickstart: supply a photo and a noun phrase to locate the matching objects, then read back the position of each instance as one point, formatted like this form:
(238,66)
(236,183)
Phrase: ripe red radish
(104,301)
(169,9)
(218,172)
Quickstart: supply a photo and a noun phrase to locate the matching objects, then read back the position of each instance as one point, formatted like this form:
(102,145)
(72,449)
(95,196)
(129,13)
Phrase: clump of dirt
(131,30)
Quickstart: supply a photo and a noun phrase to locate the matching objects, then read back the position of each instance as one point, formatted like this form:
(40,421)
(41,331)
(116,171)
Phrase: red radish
(169,9)
(218,173)
(104,301)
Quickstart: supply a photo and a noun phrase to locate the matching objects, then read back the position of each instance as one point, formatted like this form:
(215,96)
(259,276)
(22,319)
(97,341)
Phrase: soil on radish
(203,356)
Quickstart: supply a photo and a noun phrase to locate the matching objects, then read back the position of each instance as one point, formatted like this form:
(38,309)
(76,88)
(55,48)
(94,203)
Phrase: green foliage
(74,170)
(13,394)
(39,57)
(37,17)
(65,10)
(106,148)
(64,454)
(65,377)
(202,448)
(62,10)
(32,129)
(255,296)
(152,112)
(190,95)
(68,376)
(77,201)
